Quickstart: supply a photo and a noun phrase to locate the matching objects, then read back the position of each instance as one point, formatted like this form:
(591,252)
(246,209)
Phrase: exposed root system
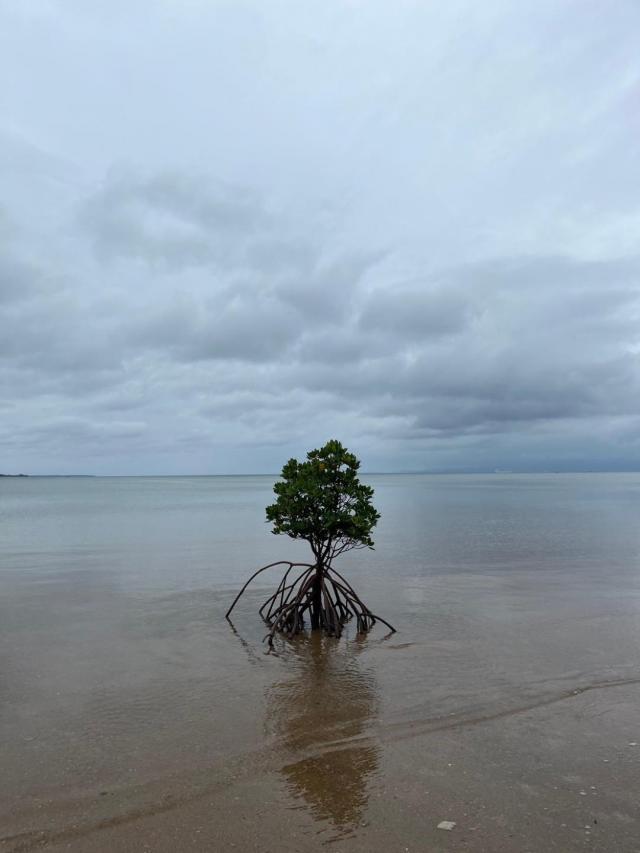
(316,591)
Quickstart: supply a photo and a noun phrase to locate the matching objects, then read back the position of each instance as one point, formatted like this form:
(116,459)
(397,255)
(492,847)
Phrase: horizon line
(438,473)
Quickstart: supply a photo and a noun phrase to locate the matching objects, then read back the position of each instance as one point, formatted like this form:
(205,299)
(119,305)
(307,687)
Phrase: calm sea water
(117,666)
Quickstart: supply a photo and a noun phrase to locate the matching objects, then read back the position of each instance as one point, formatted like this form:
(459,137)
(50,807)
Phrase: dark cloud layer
(440,269)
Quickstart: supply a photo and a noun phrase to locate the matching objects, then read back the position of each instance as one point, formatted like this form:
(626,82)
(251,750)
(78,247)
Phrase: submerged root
(321,592)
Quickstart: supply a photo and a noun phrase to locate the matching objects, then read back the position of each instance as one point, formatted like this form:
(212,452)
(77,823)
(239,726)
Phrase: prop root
(328,597)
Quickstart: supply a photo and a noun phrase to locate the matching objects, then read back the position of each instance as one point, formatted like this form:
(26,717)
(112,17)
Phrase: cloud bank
(239,231)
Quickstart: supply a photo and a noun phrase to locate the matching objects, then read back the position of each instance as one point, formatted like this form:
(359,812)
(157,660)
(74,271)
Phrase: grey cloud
(51,333)
(250,332)
(338,347)
(419,310)
(18,281)
(57,431)
(173,219)
(243,326)
(537,353)
(329,291)
(428,247)
(277,256)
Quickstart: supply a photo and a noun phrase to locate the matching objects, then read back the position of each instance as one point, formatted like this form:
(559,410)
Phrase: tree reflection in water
(328,701)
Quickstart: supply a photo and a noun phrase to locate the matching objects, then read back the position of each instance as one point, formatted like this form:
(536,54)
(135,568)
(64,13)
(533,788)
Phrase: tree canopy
(322,501)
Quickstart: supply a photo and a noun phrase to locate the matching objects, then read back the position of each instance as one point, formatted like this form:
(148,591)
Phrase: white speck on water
(446,824)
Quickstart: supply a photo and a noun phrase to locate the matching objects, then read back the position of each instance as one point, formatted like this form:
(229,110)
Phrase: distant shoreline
(49,476)
(494,473)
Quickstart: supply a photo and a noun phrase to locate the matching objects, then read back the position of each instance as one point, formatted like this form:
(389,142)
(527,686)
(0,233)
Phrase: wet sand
(133,717)
(560,775)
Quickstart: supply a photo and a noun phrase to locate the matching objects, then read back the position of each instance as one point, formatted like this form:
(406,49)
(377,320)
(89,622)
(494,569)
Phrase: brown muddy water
(133,717)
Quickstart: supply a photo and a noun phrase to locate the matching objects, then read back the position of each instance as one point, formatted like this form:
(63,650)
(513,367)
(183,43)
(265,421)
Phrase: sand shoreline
(559,776)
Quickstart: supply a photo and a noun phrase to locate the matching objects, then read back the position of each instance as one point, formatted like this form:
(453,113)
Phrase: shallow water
(117,668)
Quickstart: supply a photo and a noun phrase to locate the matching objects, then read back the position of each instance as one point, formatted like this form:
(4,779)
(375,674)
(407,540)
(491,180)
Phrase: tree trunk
(316,600)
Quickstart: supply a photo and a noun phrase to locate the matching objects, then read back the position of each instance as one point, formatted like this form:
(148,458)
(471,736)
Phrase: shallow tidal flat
(133,717)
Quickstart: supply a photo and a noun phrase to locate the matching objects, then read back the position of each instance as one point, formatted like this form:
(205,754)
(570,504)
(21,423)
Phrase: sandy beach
(562,775)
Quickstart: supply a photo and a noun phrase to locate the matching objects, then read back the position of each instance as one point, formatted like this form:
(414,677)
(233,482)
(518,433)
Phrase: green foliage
(322,500)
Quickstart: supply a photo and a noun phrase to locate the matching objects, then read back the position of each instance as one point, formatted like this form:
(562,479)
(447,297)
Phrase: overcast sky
(231,231)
